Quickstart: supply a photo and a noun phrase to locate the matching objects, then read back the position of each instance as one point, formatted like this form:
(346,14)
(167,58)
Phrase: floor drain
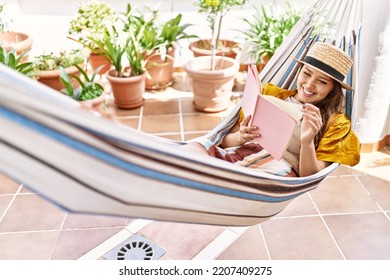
(136,247)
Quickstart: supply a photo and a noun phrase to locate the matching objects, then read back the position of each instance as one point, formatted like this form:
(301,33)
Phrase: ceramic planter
(212,88)
(160,72)
(226,48)
(21,42)
(128,91)
(51,78)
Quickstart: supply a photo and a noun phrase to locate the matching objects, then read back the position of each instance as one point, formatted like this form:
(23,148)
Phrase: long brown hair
(331,104)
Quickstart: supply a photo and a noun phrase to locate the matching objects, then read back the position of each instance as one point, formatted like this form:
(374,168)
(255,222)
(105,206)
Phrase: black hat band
(324,67)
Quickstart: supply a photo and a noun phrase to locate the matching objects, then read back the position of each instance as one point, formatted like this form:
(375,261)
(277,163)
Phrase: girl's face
(312,85)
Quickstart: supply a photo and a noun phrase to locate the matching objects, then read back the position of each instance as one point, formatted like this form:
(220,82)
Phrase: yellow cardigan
(339,143)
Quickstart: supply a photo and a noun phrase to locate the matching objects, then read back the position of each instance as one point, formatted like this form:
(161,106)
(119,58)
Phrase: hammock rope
(87,164)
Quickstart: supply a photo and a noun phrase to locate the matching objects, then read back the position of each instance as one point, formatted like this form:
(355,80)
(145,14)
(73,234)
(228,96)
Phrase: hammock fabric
(88,164)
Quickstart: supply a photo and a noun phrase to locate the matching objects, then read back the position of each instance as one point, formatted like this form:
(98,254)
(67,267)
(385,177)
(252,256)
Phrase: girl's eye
(322,82)
(306,73)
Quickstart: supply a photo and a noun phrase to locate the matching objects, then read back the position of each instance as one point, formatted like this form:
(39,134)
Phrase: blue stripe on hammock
(144,172)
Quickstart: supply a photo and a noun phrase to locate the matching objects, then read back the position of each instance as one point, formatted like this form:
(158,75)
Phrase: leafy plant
(123,48)
(158,34)
(267,29)
(113,49)
(88,90)
(214,12)
(55,61)
(89,24)
(16,62)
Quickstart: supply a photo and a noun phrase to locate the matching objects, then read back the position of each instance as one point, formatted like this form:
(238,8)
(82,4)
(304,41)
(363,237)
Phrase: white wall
(372,124)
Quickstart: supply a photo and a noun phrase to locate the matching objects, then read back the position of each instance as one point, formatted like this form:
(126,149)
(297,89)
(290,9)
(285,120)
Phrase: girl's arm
(311,125)
(239,134)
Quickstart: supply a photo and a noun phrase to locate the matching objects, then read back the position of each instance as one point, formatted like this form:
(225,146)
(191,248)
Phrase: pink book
(276,119)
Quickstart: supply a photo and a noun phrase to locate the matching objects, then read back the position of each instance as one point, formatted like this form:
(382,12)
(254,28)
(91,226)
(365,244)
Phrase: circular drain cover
(136,250)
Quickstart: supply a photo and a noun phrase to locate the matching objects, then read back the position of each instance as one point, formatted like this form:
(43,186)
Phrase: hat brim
(344,85)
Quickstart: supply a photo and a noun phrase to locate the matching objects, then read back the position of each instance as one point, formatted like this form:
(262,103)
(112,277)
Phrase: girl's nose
(310,83)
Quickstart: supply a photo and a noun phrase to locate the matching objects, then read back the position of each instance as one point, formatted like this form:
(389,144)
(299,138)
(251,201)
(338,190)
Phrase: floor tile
(129,122)
(304,238)
(160,123)
(7,185)
(192,135)
(181,241)
(78,221)
(361,236)
(375,163)
(342,195)
(4,203)
(72,244)
(187,106)
(201,122)
(27,245)
(342,170)
(299,206)
(31,213)
(161,107)
(379,189)
(249,246)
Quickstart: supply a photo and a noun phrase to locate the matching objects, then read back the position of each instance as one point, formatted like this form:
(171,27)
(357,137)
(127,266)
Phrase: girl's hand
(311,123)
(245,132)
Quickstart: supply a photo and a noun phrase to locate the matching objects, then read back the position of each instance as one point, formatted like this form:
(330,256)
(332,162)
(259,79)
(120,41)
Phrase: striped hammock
(90,165)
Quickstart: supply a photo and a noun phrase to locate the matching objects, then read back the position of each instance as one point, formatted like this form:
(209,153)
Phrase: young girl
(324,134)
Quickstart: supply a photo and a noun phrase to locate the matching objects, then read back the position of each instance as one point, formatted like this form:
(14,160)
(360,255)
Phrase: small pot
(212,88)
(51,78)
(21,42)
(227,48)
(128,91)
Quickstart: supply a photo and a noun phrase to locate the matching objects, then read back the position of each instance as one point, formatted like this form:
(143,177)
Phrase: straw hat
(329,60)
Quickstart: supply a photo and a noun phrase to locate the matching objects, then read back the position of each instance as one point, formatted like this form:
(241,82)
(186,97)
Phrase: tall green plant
(112,47)
(267,29)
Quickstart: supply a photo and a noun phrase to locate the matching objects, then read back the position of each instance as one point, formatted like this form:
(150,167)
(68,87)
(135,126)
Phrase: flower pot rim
(111,77)
(23,44)
(56,72)
(229,71)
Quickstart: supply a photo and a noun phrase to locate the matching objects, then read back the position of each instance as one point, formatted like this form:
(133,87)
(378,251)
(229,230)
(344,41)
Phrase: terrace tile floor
(346,217)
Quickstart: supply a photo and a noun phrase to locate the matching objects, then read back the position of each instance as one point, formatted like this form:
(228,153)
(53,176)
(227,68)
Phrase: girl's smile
(313,85)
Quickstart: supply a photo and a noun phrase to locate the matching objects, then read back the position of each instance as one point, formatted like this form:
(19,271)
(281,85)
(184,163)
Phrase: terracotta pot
(21,42)
(95,60)
(51,78)
(227,48)
(212,88)
(128,91)
(160,73)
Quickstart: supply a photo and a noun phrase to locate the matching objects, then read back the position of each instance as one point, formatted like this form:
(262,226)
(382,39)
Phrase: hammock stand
(86,164)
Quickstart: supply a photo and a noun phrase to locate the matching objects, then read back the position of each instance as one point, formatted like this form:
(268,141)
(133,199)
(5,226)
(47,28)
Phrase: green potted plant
(16,61)
(47,66)
(215,12)
(212,73)
(127,78)
(88,27)
(266,30)
(159,42)
(88,91)
(9,39)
